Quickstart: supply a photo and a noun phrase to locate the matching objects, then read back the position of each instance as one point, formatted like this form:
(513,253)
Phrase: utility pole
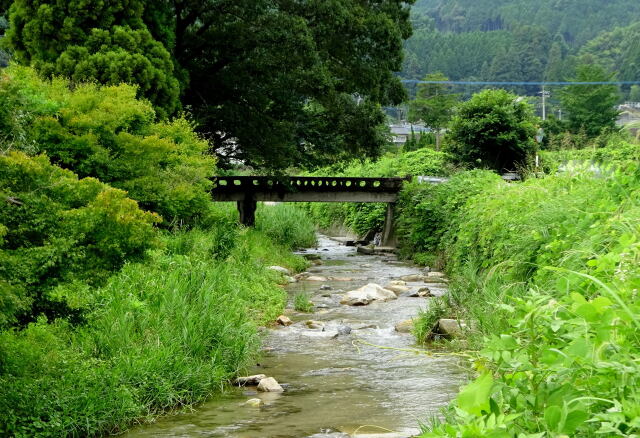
(544,94)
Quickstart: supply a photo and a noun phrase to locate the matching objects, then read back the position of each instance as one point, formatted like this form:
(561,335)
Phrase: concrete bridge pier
(387,233)
(247,209)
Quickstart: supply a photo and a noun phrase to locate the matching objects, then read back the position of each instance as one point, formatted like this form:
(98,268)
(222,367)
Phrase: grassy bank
(547,272)
(362,218)
(161,333)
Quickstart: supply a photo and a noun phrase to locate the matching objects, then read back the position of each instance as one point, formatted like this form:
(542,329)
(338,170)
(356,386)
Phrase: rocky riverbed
(348,369)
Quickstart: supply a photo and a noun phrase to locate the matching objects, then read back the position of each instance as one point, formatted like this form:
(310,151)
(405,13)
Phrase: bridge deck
(306,189)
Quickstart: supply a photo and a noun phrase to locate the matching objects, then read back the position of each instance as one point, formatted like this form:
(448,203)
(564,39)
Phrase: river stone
(397,289)
(249,380)
(404,326)
(317,262)
(290,279)
(344,330)
(254,402)
(450,328)
(269,385)
(280,269)
(342,279)
(284,320)
(325,287)
(425,292)
(367,294)
(317,278)
(397,283)
(413,278)
(435,274)
(311,256)
(302,276)
(314,325)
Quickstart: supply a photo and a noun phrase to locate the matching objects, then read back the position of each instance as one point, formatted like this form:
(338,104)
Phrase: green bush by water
(548,271)
(159,335)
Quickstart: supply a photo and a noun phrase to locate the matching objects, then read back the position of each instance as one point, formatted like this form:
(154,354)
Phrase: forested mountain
(577,21)
(522,40)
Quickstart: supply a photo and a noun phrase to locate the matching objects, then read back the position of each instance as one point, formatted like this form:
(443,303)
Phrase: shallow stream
(336,385)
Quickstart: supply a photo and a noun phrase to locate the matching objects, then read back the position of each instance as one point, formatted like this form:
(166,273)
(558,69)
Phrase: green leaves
(475,397)
(107,133)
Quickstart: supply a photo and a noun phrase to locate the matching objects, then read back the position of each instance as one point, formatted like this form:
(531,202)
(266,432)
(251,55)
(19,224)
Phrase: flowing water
(336,385)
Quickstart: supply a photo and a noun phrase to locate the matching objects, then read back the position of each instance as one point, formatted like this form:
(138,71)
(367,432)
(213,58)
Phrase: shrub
(106,133)
(159,335)
(547,270)
(493,130)
(55,228)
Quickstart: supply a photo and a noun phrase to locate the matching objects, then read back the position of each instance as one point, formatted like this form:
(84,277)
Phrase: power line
(413,81)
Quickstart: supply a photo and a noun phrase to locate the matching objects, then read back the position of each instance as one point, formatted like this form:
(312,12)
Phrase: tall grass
(548,272)
(161,334)
(286,224)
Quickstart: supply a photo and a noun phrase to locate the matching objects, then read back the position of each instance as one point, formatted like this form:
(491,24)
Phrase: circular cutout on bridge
(376,184)
(363,183)
(237,182)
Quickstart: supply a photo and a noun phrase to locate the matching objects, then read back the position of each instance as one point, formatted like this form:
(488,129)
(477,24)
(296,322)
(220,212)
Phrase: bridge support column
(387,234)
(247,209)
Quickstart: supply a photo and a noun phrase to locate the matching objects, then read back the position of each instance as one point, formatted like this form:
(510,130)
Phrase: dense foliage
(548,272)
(59,233)
(90,40)
(493,130)
(106,133)
(362,218)
(271,82)
(577,20)
(106,319)
(160,334)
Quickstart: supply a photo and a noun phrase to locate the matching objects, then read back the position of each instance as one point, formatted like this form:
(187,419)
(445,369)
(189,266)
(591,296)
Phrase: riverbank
(161,334)
(545,274)
(346,370)
(547,271)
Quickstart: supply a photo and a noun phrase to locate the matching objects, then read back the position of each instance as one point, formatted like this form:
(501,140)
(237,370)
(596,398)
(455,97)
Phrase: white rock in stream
(280,269)
(398,283)
(254,402)
(397,289)
(317,278)
(367,294)
(249,380)
(269,385)
(284,320)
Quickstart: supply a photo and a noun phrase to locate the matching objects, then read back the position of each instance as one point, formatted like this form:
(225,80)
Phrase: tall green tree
(495,130)
(91,40)
(280,82)
(271,82)
(591,109)
(433,105)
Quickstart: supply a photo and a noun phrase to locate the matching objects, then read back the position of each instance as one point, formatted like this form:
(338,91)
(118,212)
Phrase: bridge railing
(234,184)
